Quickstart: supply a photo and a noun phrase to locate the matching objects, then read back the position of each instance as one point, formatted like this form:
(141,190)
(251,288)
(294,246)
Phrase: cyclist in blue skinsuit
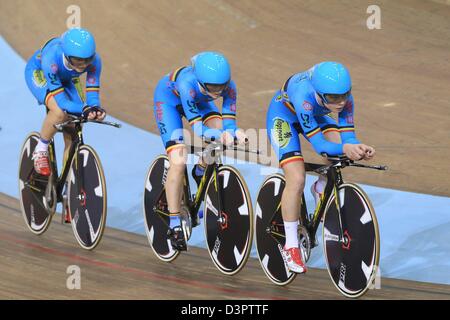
(304,106)
(190,92)
(52,75)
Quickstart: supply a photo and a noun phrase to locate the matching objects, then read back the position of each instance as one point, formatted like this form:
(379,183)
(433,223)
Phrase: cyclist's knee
(57,114)
(55,111)
(178,157)
(213,123)
(295,177)
(296,183)
(177,168)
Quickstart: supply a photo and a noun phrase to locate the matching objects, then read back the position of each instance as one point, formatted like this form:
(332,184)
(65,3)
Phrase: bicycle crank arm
(27,184)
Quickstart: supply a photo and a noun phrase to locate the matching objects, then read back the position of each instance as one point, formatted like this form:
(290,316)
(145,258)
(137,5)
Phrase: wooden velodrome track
(399,72)
(124,267)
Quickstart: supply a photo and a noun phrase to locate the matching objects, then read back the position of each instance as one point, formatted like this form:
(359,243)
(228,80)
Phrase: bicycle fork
(337,181)
(334,180)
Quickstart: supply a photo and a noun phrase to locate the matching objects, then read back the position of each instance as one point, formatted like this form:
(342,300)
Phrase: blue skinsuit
(178,94)
(294,110)
(47,76)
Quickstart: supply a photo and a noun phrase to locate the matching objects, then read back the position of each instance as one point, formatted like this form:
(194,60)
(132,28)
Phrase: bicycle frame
(195,202)
(210,172)
(334,175)
(334,180)
(47,191)
(61,179)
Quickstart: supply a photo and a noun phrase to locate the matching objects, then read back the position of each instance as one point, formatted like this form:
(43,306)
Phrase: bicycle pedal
(181,247)
(180,243)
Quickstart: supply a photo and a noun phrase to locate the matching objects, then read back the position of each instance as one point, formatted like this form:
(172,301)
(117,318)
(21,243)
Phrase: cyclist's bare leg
(175,176)
(69,136)
(40,154)
(294,173)
(54,116)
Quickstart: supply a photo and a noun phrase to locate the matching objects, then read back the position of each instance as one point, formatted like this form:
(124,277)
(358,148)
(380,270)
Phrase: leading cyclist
(304,106)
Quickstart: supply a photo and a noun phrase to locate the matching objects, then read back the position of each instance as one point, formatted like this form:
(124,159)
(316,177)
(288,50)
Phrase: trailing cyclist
(52,75)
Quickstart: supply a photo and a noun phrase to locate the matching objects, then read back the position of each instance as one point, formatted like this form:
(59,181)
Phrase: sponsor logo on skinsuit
(162,128)
(349,106)
(53,78)
(39,79)
(54,68)
(231,93)
(192,106)
(306,120)
(281,132)
(349,119)
(307,106)
(91,80)
(159,111)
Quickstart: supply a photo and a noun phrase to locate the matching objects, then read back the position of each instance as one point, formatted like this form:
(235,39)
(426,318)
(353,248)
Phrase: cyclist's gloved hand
(94,113)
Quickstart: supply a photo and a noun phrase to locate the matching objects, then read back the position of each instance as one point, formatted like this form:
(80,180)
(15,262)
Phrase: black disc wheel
(353,258)
(37,197)
(228,218)
(87,197)
(269,230)
(156,219)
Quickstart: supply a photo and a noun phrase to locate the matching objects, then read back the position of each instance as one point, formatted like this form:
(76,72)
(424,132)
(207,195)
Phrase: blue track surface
(415,237)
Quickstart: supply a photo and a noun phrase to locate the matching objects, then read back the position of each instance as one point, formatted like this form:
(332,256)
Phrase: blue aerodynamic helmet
(211,68)
(78,43)
(331,79)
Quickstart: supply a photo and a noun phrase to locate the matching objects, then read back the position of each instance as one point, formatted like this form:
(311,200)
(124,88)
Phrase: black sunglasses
(214,88)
